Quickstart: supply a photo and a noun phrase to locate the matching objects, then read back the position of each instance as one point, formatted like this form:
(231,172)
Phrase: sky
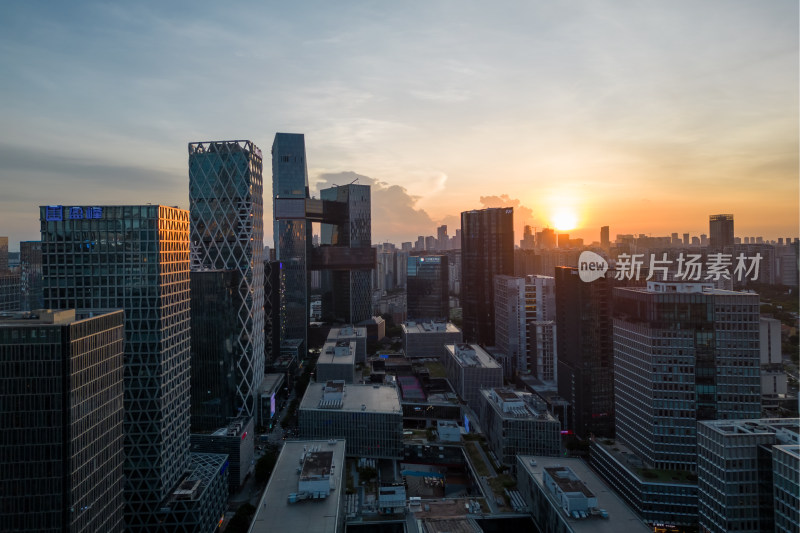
(646,116)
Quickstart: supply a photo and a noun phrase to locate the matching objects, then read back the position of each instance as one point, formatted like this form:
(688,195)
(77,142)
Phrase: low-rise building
(517,423)
(337,361)
(564,496)
(470,369)
(308,496)
(236,440)
(666,497)
(369,417)
(354,334)
(428,339)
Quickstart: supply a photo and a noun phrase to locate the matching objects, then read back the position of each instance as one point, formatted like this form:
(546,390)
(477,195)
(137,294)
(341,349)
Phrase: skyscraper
(136,257)
(61,423)
(427,288)
(226,206)
(292,233)
(585,351)
(605,240)
(487,249)
(351,287)
(721,230)
(525,325)
(442,240)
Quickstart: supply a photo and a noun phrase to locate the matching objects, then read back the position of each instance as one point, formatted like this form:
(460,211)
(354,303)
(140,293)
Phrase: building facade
(30,275)
(516,423)
(585,351)
(470,369)
(738,489)
(428,339)
(217,371)
(682,353)
(134,257)
(428,288)
(61,419)
(292,233)
(720,230)
(367,417)
(487,250)
(227,232)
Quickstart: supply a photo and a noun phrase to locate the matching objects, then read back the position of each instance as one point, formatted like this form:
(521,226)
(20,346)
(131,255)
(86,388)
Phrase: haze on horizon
(643,116)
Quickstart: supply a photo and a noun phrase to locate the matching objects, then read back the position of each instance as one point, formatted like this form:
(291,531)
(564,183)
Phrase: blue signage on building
(53,212)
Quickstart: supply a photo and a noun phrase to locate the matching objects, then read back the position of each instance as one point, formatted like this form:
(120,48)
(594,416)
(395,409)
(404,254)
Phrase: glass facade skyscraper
(487,250)
(134,257)
(61,453)
(227,233)
(292,233)
(351,289)
(428,288)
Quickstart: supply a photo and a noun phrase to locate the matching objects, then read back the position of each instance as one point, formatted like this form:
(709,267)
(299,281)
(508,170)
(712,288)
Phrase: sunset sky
(646,116)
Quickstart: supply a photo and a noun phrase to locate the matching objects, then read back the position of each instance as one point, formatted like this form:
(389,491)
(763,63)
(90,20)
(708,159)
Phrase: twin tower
(226,198)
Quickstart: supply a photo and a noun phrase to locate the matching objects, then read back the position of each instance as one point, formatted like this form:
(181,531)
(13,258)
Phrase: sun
(564,219)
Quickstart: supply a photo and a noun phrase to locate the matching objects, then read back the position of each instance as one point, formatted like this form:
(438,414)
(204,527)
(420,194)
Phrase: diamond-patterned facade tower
(227,233)
(135,258)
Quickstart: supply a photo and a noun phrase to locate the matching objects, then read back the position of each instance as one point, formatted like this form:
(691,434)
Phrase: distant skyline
(644,116)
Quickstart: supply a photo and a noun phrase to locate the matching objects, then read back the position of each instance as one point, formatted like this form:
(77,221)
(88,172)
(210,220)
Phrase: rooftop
(346,351)
(517,404)
(786,430)
(40,317)
(471,355)
(373,398)
(310,516)
(429,327)
(620,516)
(625,457)
(346,332)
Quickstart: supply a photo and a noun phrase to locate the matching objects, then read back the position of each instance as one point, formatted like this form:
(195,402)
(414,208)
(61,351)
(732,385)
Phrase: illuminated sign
(56,213)
(466,423)
(53,212)
(272,405)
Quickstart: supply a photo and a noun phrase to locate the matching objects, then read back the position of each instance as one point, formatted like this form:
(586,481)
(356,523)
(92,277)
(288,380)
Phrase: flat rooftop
(786,430)
(620,516)
(471,355)
(375,398)
(44,317)
(327,356)
(426,328)
(624,456)
(272,381)
(310,516)
(533,407)
(347,332)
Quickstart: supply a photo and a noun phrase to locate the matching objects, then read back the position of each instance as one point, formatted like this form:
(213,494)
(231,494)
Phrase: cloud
(395,215)
(522,215)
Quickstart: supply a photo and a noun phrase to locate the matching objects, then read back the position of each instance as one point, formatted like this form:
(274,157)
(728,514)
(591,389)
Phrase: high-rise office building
(351,287)
(136,257)
(442,240)
(721,230)
(747,475)
(528,241)
(487,250)
(61,451)
(525,325)
(30,275)
(216,366)
(427,288)
(682,353)
(226,206)
(585,351)
(292,233)
(605,240)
